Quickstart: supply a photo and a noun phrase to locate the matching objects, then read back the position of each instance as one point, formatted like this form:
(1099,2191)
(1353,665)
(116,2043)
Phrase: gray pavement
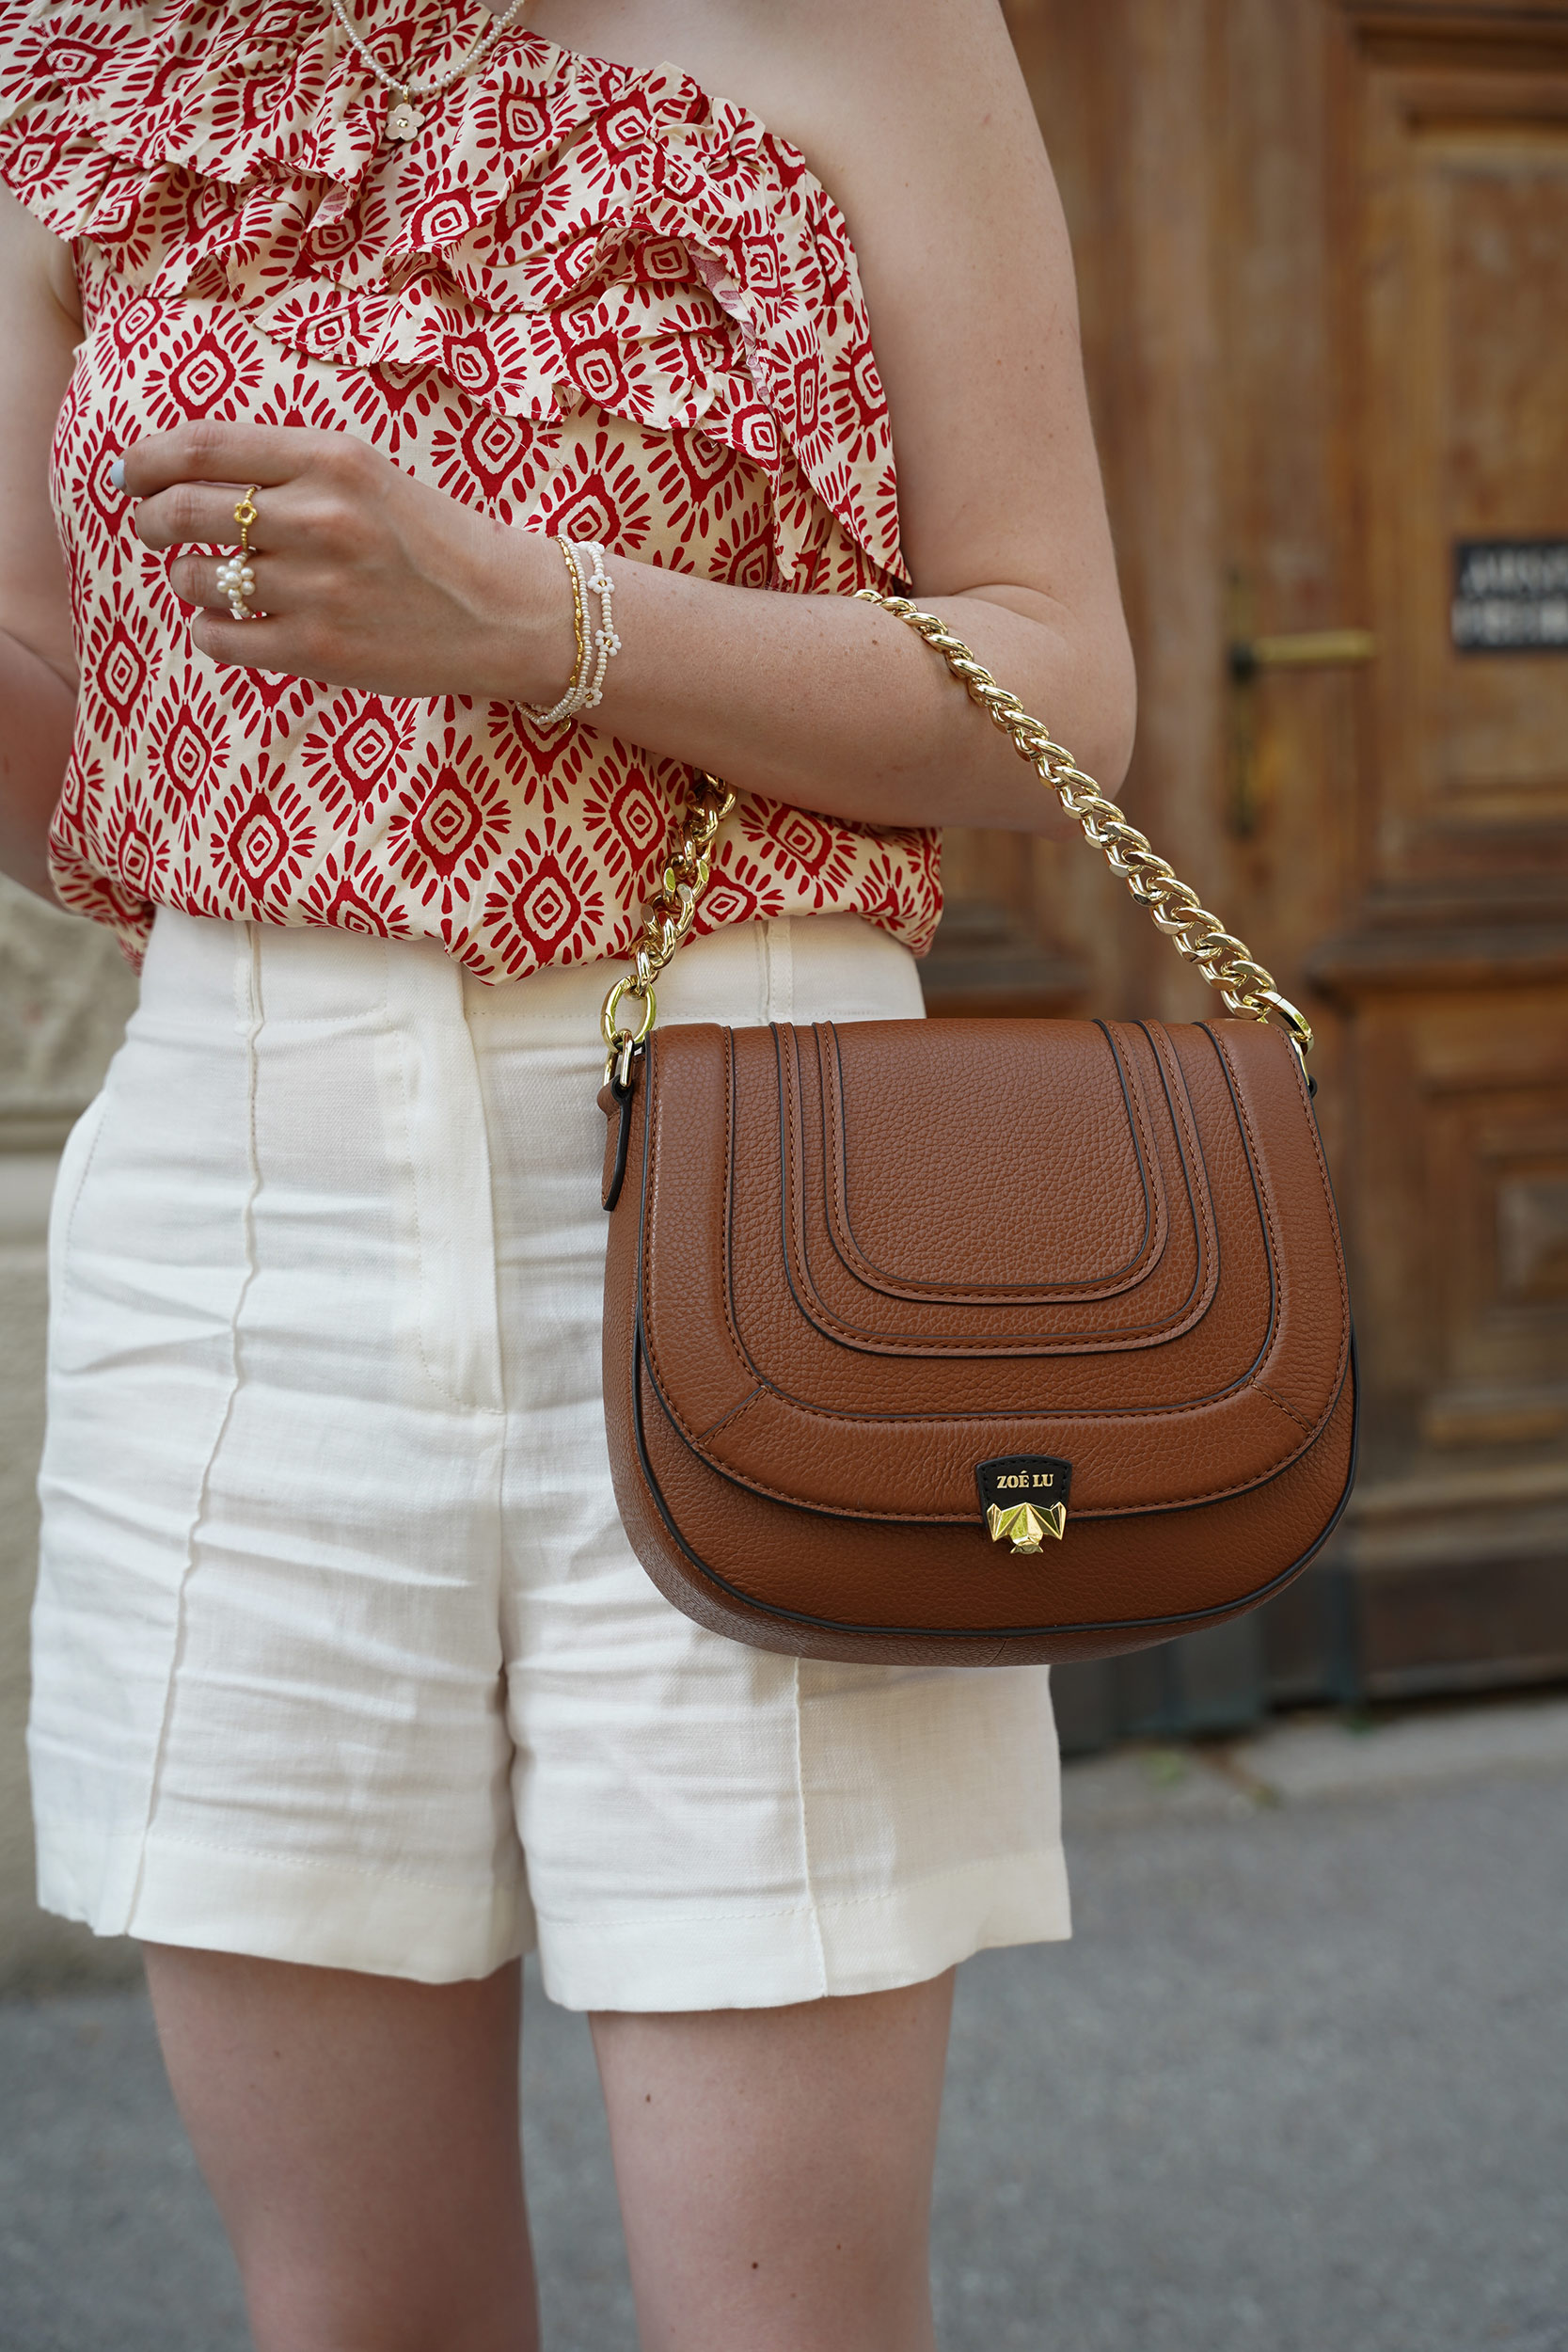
(1299,2084)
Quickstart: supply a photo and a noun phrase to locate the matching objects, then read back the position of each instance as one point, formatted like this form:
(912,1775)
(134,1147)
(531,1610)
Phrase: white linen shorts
(340,1653)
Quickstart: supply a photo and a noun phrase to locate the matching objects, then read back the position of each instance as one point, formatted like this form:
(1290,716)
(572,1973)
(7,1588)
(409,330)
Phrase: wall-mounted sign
(1510,596)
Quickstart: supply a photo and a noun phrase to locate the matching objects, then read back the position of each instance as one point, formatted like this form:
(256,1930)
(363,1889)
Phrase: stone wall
(65,991)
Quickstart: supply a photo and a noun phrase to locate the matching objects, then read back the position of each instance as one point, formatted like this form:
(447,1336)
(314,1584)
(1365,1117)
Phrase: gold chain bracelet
(1226,962)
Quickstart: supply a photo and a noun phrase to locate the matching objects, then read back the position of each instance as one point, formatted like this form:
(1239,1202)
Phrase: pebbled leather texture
(849,1266)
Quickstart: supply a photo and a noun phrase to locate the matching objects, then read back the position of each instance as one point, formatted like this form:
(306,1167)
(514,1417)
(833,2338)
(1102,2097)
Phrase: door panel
(1323,254)
(1466,280)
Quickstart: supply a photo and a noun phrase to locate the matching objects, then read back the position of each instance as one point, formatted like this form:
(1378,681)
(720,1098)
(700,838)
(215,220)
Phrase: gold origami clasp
(1025,1525)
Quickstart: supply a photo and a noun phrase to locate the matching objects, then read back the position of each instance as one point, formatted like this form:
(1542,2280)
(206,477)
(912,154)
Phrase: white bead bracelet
(598,647)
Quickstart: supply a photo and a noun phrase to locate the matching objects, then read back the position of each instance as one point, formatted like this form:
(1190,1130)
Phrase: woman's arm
(38,665)
(372,581)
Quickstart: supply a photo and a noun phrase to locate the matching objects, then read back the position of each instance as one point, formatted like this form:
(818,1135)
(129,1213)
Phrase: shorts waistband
(206,974)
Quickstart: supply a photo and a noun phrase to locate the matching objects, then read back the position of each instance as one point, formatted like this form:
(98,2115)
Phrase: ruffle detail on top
(562,232)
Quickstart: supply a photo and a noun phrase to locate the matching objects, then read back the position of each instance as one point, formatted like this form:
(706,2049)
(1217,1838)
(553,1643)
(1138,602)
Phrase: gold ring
(236,579)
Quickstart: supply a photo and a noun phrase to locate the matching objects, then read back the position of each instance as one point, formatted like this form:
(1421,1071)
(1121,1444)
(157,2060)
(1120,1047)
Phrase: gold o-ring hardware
(614,1036)
(1294,1023)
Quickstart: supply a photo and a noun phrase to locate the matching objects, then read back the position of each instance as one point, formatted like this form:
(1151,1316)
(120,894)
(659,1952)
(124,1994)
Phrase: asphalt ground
(1299,2083)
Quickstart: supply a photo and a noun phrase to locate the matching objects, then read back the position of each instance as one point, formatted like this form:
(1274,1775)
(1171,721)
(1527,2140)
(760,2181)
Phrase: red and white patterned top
(583,301)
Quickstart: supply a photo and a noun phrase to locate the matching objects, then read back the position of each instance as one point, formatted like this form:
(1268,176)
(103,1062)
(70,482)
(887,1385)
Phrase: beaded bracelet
(585,563)
(605,639)
(576,695)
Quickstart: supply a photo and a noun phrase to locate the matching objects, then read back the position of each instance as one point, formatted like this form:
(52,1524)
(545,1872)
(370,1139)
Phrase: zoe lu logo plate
(1025,1497)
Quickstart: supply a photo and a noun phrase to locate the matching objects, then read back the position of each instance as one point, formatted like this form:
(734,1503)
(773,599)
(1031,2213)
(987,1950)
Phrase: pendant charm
(402,121)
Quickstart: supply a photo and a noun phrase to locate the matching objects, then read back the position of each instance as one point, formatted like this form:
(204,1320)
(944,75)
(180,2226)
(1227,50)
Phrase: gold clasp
(1025,1497)
(1025,1525)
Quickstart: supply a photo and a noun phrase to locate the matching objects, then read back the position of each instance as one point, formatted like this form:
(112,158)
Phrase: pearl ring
(236,579)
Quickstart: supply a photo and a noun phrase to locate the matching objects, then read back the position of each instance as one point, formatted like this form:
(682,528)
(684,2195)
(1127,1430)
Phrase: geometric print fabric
(585,301)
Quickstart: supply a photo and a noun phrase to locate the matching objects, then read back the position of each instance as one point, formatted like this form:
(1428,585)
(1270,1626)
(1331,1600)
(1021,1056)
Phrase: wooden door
(1324,254)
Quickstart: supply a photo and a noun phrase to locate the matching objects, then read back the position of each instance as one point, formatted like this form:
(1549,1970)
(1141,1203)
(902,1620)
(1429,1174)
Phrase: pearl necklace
(402,115)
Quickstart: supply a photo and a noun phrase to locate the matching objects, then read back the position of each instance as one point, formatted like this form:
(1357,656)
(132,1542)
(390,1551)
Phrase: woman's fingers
(226,453)
(197,514)
(368,578)
(307,484)
(194,581)
(259,645)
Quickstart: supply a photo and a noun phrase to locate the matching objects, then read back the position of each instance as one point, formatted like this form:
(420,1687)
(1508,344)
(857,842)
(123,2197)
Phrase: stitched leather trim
(1158,1626)
(755,1397)
(1061,1290)
(1107,1339)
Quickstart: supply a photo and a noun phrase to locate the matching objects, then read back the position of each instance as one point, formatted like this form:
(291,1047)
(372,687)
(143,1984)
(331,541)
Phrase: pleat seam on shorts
(248,990)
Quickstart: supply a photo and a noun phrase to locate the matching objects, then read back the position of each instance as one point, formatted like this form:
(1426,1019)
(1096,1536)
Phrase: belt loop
(248,977)
(779,969)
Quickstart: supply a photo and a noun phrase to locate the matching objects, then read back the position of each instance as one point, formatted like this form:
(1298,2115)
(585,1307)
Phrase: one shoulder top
(583,301)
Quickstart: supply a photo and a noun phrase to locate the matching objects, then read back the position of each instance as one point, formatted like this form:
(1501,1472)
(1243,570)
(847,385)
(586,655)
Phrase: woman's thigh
(774,2169)
(360,2134)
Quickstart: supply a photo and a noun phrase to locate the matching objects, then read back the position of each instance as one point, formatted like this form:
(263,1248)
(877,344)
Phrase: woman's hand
(366,577)
(370,579)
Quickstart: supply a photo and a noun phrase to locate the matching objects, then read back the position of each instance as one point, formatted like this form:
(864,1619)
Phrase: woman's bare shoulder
(847,82)
(877,85)
(915,116)
(921,126)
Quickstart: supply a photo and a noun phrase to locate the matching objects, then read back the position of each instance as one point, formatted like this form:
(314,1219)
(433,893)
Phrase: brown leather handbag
(973,1341)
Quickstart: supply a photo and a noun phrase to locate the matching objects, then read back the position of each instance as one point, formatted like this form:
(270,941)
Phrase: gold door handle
(1246,658)
(1301,649)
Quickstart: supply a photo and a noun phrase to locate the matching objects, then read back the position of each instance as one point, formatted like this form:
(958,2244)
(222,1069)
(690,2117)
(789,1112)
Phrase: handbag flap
(898,1218)
(875,1257)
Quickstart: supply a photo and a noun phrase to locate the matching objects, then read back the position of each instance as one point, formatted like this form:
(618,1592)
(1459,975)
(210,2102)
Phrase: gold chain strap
(669,916)
(1226,962)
